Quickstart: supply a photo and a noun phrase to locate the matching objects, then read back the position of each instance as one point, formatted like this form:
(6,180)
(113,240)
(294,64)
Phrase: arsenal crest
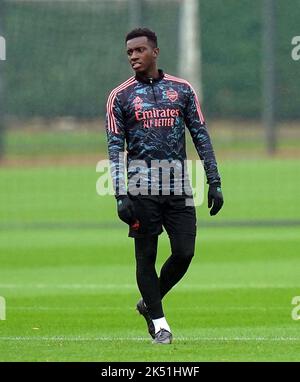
(172,95)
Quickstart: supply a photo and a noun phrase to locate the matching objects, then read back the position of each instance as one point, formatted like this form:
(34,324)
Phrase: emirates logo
(172,95)
(138,103)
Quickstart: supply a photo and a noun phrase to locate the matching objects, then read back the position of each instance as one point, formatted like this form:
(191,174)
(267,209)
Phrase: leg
(175,267)
(147,279)
(179,220)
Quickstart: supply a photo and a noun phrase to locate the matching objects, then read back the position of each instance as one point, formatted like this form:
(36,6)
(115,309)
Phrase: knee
(183,248)
(184,255)
(145,266)
(145,261)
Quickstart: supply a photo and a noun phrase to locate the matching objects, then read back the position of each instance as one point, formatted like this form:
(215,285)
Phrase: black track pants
(152,287)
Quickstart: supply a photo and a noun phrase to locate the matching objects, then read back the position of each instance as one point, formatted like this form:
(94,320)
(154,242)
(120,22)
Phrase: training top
(150,115)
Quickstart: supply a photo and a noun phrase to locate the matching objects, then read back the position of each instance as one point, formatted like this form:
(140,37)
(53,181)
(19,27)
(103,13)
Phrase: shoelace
(161,332)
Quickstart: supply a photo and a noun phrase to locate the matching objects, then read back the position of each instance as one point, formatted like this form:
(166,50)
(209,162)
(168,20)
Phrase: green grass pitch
(67,271)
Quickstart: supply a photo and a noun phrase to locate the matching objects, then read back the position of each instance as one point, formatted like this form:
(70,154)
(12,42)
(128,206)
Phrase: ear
(155,52)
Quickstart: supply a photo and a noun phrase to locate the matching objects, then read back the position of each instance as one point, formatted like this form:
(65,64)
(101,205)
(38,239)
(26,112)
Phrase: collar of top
(149,80)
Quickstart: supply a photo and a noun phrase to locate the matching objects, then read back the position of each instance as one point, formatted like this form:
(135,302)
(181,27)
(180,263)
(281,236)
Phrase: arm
(115,130)
(195,122)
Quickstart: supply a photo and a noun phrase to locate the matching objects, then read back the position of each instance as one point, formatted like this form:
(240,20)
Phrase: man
(150,111)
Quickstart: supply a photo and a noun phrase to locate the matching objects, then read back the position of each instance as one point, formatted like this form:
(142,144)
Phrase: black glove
(215,197)
(126,209)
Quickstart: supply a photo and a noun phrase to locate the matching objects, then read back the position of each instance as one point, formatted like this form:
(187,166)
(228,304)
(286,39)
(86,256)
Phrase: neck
(150,76)
(151,73)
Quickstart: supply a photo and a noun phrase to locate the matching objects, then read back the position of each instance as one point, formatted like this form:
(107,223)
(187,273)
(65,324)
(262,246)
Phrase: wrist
(215,185)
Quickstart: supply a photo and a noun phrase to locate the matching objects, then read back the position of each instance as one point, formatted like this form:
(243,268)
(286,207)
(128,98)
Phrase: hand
(215,198)
(126,209)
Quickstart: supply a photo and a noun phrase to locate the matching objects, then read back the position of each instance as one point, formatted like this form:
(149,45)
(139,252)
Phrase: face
(141,54)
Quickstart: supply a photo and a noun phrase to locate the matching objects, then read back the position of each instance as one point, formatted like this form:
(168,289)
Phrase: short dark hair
(141,32)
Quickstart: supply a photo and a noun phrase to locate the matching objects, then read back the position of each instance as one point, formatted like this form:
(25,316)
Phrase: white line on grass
(177,339)
(120,287)
(121,308)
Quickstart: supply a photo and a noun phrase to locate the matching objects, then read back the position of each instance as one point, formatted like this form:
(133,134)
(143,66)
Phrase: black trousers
(179,220)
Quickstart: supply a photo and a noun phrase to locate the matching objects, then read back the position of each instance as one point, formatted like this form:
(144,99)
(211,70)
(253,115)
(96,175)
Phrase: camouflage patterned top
(151,115)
